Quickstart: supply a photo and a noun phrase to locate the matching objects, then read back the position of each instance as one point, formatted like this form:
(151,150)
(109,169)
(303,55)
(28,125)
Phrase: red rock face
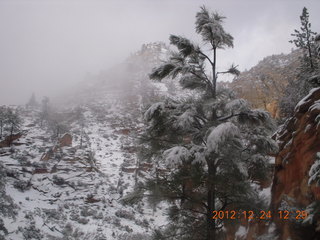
(9,139)
(66,140)
(299,141)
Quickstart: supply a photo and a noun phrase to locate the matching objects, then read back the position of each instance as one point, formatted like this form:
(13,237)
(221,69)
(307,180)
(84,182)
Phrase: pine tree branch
(230,116)
(201,78)
(195,211)
(205,57)
(154,138)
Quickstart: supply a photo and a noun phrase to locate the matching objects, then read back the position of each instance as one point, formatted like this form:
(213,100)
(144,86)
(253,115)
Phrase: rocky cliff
(263,85)
(295,185)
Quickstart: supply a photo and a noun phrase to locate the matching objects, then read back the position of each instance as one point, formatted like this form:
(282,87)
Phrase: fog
(47,46)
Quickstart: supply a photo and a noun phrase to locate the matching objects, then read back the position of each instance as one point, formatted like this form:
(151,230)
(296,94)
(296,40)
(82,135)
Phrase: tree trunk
(309,47)
(81,139)
(214,76)
(211,223)
(11,134)
(1,126)
(310,56)
(136,172)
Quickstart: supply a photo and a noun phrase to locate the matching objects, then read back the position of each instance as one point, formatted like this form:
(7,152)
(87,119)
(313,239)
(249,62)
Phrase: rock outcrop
(65,140)
(9,140)
(264,84)
(299,142)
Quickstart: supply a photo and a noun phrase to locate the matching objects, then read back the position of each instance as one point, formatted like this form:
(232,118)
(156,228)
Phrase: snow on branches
(314,172)
(176,155)
(220,135)
(211,30)
(155,109)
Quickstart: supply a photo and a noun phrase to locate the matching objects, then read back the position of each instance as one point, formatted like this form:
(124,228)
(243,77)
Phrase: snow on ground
(77,192)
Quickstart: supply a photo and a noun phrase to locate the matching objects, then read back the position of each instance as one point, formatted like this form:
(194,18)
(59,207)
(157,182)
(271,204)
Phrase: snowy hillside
(65,189)
(78,185)
(79,171)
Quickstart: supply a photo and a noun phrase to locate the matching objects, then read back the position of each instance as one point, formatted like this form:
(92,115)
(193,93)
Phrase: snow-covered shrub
(66,206)
(68,229)
(58,180)
(115,221)
(39,164)
(3,229)
(87,211)
(74,216)
(21,185)
(12,173)
(52,214)
(83,220)
(127,229)
(143,223)
(31,232)
(98,216)
(22,159)
(121,213)
(29,215)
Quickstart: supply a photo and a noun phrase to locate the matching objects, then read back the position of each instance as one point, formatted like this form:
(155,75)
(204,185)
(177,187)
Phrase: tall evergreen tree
(190,59)
(305,40)
(308,74)
(32,101)
(13,121)
(45,109)
(213,144)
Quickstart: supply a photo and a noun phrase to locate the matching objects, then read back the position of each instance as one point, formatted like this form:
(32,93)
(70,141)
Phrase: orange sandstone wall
(299,141)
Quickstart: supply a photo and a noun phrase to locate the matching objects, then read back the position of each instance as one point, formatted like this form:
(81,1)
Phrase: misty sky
(49,45)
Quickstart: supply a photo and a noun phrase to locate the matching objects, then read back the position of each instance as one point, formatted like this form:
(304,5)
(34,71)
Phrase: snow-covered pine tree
(12,121)
(7,206)
(32,103)
(210,148)
(308,75)
(45,109)
(305,40)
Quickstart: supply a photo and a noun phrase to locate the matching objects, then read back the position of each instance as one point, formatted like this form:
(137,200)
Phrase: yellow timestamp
(261,215)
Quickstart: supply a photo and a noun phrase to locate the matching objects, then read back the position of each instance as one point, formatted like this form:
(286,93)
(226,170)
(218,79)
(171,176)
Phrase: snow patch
(314,172)
(241,232)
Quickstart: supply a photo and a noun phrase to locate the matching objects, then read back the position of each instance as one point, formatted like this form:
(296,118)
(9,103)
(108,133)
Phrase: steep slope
(66,190)
(296,185)
(78,186)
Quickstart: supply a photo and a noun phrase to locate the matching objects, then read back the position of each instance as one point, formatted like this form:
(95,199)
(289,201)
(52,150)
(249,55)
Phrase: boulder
(65,140)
